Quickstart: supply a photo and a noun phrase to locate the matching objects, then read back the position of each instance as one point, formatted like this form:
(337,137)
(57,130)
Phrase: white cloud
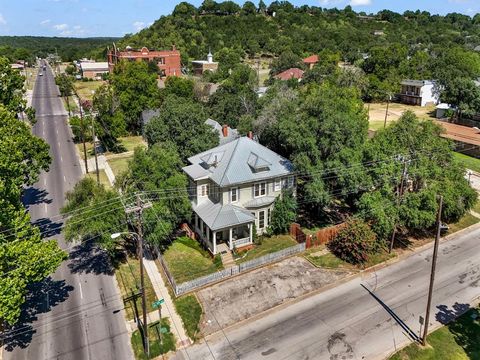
(138,25)
(360,2)
(45,22)
(330,2)
(60,27)
(2,20)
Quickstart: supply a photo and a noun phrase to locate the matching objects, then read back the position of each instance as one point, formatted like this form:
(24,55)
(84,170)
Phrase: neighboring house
(200,66)
(292,73)
(418,92)
(93,70)
(261,91)
(311,61)
(168,61)
(466,139)
(225,132)
(232,188)
(146,116)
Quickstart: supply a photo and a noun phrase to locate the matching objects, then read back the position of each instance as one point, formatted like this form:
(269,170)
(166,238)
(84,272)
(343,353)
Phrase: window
(277,185)
(290,182)
(261,219)
(204,191)
(260,189)
(234,195)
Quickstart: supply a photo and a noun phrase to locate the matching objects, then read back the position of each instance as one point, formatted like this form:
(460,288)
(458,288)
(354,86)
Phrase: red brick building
(168,61)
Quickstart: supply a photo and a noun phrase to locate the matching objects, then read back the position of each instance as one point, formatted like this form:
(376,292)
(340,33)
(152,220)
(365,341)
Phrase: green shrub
(283,214)
(355,242)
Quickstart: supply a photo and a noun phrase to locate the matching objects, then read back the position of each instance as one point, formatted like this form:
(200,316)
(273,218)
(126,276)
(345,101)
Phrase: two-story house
(418,92)
(232,187)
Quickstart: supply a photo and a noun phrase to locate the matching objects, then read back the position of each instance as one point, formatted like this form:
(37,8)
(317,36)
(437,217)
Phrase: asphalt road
(365,318)
(75,313)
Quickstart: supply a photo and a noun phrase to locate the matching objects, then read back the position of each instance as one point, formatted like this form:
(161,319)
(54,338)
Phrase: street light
(146,346)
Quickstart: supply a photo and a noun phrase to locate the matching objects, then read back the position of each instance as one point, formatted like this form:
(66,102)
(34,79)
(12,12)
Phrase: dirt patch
(247,295)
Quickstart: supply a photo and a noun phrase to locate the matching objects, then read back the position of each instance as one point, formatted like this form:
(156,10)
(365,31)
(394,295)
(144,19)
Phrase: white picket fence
(226,273)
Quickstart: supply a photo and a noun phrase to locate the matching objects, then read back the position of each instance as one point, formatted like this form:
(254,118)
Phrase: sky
(88,18)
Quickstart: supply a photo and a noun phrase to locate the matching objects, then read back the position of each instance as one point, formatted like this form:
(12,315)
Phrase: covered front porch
(229,225)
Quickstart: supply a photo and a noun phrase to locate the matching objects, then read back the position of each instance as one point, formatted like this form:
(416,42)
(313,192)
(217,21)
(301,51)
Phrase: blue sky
(85,18)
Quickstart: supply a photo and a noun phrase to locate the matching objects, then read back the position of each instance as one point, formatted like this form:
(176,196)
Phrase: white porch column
(250,227)
(214,243)
(231,238)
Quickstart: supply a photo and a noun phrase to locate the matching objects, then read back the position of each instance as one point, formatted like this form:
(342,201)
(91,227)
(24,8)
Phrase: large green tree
(136,89)
(417,148)
(182,123)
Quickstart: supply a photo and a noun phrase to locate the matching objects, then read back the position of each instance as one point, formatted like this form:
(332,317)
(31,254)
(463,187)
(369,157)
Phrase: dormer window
(257,163)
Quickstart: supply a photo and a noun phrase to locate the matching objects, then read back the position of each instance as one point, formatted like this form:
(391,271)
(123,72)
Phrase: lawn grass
(128,278)
(70,103)
(468,161)
(186,260)
(466,221)
(459,340)
(268,245)
(476,208)
(119,164)
(190,311)
(131,142)
(31,77)
(85,88)
(103,177)
(156,348)
(328,261)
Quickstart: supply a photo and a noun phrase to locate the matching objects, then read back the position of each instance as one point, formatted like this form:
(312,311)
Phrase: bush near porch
(266,245)
(186,260)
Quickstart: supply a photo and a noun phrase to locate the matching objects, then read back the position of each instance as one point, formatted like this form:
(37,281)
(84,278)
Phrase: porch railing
(241,242)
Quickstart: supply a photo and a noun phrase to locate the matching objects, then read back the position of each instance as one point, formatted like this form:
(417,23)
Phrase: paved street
(75,313)
(365,318)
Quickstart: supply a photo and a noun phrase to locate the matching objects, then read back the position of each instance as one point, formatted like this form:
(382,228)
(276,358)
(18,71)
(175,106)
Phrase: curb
(346,279)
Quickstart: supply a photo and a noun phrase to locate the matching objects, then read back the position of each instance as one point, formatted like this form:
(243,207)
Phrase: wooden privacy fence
(321,237)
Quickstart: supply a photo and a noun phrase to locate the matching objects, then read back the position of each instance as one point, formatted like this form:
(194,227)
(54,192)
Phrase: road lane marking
(45,181)
(81,293)
(45,206)
(61,158)
(64,178)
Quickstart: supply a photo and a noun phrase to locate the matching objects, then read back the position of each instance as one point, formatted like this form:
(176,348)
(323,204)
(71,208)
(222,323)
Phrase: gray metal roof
(232,133)
(196,172)
(262,201)
(232,162)
(219,217)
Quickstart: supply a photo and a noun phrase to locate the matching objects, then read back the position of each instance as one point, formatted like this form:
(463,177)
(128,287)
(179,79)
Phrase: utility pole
(83,132)
(386,113)
(432,273)
(138,209)
(399,195)
(94,138)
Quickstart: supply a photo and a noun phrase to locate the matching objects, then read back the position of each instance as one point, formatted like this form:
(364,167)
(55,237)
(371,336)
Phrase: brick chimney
(250,135)
(225,130)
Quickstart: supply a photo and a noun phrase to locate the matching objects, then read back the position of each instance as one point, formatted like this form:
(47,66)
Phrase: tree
(136,90)
(284,213)
(87,222)
(184,9)
(181,122)
(249,8)
(285,61)
(65,86)
(11,83)
(158,173)
(355,242)
(178,86)
(432,170)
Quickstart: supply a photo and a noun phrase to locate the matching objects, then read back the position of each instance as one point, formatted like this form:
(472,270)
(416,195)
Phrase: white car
(41,74)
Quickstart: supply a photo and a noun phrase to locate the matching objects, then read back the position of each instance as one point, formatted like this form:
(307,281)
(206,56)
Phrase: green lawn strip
(466,221)
(131,142)
(468,161)
(476,208)
(128,278)
(119,165)
(268,245)
(85,88)
(103,177)
(377,125)
(156,347)
(328,261)
(70,103)
(186,260)
(190,311)
(89,147)
(459,340)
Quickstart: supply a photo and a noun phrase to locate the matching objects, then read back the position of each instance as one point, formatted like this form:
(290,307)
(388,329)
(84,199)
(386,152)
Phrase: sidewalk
(162,293)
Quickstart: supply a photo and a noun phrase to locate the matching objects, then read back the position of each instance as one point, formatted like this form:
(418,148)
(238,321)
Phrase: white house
(232,187)
(418,92)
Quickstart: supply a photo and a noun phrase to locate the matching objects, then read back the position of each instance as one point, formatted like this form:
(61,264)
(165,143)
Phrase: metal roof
(232,134)
(233,166)
(89,66)
(196,172)
(260,202)
(218,216)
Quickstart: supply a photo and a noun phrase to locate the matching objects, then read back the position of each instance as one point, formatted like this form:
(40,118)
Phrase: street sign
(163,330)
(157,303)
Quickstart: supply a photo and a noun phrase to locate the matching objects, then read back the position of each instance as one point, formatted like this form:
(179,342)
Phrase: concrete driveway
(250,294)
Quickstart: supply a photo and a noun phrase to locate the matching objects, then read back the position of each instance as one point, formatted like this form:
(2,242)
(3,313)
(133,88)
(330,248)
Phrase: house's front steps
(226,255)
